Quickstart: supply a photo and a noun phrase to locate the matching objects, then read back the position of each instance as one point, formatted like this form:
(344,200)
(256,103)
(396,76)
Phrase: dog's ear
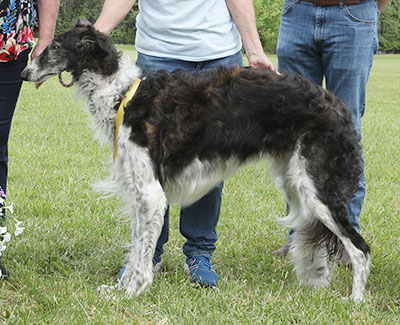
(111,55)
(98,47)
(87,41)
(106,45)
(86,44)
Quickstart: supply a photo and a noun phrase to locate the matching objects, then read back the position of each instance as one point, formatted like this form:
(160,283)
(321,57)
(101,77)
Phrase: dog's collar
(121,110)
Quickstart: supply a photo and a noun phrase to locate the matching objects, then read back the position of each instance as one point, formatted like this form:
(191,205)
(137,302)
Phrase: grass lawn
(75,241)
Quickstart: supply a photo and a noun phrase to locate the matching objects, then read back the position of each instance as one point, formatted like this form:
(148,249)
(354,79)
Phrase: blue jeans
(198,222)
(10,85)
(337,43)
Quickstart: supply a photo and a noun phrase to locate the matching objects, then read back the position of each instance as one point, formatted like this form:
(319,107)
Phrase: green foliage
(389,28)
(268,14)
(125,32)
(72,10)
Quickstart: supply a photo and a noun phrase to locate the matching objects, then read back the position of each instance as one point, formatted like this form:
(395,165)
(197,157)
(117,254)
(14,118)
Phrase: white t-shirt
(190,30)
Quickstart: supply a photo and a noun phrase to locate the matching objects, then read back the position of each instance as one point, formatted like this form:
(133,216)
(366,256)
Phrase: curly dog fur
(184,133)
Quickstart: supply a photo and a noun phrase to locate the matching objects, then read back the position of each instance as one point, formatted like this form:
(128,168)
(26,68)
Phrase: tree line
(268,18)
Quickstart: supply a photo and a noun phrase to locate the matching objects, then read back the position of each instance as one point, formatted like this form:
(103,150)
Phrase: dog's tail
(335,165)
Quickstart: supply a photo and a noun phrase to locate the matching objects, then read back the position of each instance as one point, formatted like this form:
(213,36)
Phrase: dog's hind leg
(336,164)
(325,236)
(311,262)
(317,228)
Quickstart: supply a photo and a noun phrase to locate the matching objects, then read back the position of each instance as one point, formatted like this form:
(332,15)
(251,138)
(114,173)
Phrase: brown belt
(333,2)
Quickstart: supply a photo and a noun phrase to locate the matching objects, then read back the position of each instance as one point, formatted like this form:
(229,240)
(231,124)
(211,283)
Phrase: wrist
(102,28)
(45,38)
(253,49)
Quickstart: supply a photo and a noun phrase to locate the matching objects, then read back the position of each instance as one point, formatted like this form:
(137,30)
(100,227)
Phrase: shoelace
(200,262)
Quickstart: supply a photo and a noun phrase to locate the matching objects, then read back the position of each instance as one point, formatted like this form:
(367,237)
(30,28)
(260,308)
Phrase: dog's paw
(353,299)
(135,282)
(357,297)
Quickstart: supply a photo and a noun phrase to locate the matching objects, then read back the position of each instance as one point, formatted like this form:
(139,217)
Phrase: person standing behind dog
(335,39)
(18,22)
(195,35)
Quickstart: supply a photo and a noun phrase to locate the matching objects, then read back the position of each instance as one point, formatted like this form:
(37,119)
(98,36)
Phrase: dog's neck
(104,93)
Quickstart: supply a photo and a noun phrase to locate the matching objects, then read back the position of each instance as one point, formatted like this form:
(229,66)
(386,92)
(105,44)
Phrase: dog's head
(82,48)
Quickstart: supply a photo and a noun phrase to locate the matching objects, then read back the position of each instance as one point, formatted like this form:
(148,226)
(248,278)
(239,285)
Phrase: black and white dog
(183,133)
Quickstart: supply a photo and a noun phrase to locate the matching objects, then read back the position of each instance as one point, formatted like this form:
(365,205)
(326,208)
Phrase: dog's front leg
(147,217)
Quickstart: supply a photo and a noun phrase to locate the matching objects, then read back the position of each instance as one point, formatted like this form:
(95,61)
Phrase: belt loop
(340,4)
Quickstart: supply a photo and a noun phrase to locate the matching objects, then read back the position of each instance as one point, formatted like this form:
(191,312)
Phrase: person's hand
(39,47)
(261,61)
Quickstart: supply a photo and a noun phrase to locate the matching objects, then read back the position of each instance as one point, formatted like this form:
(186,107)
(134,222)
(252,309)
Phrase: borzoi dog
(183,133)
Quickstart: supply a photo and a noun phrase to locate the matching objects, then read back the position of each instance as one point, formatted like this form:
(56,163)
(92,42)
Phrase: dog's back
(234,112)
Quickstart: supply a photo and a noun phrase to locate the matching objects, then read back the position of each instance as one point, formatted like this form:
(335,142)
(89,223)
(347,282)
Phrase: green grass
(75,241)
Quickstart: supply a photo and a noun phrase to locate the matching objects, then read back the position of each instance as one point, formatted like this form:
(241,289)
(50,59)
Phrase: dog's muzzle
(25,74)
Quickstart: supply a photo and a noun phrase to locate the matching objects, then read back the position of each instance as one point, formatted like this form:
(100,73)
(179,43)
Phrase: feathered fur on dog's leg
(318,226)
(354,244)
(146,223)
(146,201)
(343,165)
(311,262)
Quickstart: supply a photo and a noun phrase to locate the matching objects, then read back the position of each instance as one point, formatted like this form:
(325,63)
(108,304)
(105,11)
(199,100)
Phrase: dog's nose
(25,74)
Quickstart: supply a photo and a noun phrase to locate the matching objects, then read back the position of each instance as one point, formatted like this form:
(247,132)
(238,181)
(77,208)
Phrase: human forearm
(112,13)
(242,12)
(382,4)
(243,15)
(48,11)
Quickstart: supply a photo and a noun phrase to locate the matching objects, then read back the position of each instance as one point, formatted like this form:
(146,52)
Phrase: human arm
(48,11)
(243,15)
(112,13)
(382,4)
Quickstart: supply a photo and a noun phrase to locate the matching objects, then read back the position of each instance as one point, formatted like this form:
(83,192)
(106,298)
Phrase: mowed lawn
(75,240)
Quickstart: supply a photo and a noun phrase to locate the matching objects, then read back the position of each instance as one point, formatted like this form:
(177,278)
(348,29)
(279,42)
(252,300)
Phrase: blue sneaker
(156,267)
(121,273)
(201,271)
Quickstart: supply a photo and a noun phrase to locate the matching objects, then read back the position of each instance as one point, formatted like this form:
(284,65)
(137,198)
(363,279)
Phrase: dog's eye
(55,46)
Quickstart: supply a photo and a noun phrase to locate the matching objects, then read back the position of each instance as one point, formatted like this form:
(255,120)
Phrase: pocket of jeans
(287,6)
(366,13)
